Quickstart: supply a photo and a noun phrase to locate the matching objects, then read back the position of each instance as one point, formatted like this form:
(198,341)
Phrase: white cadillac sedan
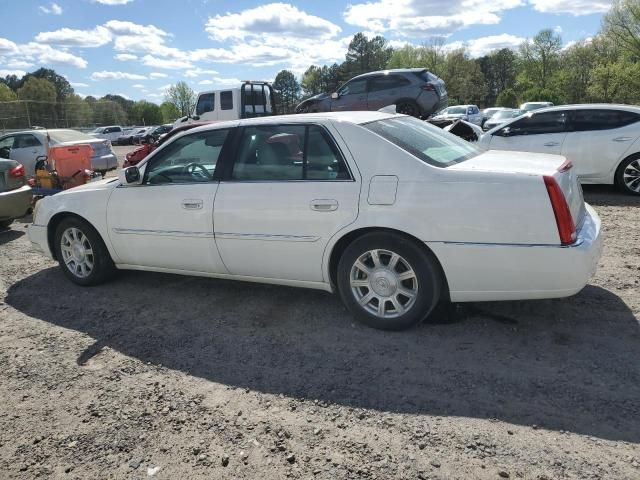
(601,140)
(393,213)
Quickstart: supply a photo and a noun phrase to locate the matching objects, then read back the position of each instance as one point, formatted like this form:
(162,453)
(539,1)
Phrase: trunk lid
(8,182)
(538,164)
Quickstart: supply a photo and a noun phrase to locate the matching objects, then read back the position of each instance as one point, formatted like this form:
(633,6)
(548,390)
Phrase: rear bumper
(492,272)
(15,203)
(38,236)
(104,162)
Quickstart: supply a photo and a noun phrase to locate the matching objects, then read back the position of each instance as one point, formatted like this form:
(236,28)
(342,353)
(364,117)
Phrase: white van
(251,99)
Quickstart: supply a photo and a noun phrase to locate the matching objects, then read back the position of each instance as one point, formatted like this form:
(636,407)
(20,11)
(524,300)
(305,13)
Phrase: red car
(140,153)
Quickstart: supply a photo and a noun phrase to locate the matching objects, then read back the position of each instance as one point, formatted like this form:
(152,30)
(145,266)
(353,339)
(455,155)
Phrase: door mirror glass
(131,175)
(335,95)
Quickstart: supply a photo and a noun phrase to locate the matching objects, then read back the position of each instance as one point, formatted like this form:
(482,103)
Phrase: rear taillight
(428,87)
(564,220)
(17,172)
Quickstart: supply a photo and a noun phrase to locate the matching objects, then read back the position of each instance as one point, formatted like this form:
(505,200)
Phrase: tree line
(604,68)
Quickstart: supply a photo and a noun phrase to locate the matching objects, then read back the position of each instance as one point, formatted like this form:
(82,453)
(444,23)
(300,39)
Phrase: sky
(137,48)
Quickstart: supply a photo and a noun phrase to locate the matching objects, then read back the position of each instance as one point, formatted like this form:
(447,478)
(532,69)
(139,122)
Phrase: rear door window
(226,100)
(206,103)
(538,123)
(596,119)
(354,87)
(386,82)
(26,141)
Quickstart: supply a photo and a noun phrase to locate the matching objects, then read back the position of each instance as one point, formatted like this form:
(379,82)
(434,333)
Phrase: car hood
(104,184)
(504,161)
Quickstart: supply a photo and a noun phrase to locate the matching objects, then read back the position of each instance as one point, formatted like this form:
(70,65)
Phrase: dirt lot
(175,377)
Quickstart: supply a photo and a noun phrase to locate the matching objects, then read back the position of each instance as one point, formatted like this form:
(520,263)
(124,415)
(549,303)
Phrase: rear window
(226,100)
(61,136)
(423,140)
(596,119)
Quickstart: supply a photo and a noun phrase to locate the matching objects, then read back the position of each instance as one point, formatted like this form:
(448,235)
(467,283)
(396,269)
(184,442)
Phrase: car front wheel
(388,282)
(82,254)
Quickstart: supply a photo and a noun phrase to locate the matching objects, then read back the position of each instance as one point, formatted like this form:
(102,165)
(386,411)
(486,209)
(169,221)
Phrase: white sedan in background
(601,140)
(393,213)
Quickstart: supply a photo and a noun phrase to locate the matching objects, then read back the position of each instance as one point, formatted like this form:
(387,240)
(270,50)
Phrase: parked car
(487,113)
(501,116)
(249,100)
(138,137)
(155,133)
(531,106)
(468,113)
(111,133)
(125,137)
(136,156)
(25,147)
(15,194)
(602,141)
(414,91)
(393,213)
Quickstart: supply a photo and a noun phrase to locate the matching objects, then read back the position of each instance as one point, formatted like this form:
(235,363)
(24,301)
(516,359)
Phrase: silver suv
(414,91)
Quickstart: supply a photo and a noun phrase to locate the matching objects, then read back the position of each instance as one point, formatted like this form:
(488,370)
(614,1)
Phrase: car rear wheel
(408,108)
(82,254)
(628,175)
(387,281)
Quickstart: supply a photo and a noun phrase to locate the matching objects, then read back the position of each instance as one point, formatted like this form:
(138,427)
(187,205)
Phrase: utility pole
(26,104)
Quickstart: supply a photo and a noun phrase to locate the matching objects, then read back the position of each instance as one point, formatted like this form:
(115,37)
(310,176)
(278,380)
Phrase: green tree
(366,55)
(10,110)
(106,112)
(170,112)
(288,90)
(77,112)
(125,103)
(61,84)
(622,25)
(499,69)
(39,97)
(507,98)
(572,80)
(146,113)
(463,77)
(540,57)
(182,96)
(6,94)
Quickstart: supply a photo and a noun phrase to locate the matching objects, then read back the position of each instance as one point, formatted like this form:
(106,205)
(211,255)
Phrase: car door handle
(324,205)
(192,204)
(622,139)
(551,144)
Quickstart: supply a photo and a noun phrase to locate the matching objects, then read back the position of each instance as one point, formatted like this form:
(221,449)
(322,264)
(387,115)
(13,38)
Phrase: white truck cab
(248,100)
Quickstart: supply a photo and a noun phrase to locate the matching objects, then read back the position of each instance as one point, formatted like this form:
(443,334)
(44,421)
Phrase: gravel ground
(177,377)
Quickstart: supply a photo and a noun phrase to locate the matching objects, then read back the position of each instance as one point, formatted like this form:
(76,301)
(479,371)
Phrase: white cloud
(125,57)
(46,55)
(68,37)
(113,2)
(416,19)
(138,85)
(572,7)
(280,19)
(107,75)
(198,72)
(53,9)
(206,82)
(557,29)
(481,46)
(167,63)
(79,84)
(158,75)
(221,82)
(7,46)
(17,73)
(17,63)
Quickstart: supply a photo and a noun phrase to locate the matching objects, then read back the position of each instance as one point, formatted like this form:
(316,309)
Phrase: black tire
(628,185)
(407,107)
(103,268)
(426,275)
(4,224)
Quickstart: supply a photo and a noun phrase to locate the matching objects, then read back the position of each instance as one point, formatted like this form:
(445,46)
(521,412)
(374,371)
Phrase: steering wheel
(192,167)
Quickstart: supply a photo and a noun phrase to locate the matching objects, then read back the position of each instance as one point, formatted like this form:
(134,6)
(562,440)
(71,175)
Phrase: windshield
(423,140)
(98,130)
(456,110)
(504,114)
(62,136)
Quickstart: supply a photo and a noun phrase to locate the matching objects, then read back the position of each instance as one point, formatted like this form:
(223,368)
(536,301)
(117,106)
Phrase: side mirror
(335,95)
(504,132)
(129,176)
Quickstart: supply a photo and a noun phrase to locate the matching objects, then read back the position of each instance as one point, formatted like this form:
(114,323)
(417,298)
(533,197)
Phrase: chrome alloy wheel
(77,252)
(631,176)
(384,283)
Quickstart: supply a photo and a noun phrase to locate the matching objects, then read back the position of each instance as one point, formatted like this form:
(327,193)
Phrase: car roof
(392,70)
(591,106)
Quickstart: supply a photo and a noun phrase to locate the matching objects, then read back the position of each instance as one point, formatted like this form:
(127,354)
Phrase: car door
(387,90)
(598,140)
(6,144)
(351,96)
(26,148)
(288,191)
(542,132)
(166,222)
(115,133)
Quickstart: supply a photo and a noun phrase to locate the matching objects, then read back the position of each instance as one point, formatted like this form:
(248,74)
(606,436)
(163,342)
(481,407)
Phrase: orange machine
(72,164)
